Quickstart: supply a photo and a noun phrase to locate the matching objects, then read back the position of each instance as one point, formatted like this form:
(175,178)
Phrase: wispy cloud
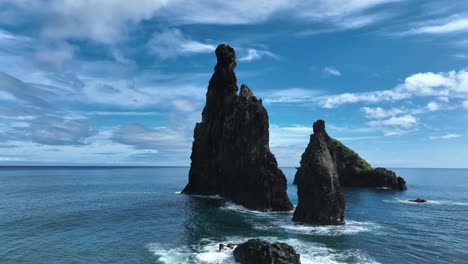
(33,116)
(254,54)
(144,137)
(173,42)
(446,136)
(330,71)
(289,135)
(82,19)
(380,113)
(442,27)
(291,95)
(85,20)
(405,121)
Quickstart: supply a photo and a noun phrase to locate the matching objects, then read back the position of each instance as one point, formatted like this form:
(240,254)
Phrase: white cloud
(379,112)
(184,105)
(331,71)
(456,25)
(405,121)
(433,106)
(446,136)
(289,135)
(173,42)
(332,101)
(254,54)
(291,95)
(443,84)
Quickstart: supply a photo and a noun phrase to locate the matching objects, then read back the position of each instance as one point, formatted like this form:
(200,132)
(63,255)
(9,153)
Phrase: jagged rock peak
(226,56)
(223,83)
(246,93)
(319,127)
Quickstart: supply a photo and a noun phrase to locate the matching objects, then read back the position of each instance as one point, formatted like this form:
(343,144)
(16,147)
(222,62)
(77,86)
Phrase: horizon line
(178,166)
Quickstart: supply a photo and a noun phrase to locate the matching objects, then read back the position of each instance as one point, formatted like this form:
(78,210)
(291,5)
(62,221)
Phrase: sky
(114,82)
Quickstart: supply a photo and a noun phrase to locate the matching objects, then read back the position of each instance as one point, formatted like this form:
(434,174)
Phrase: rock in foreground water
(230,153)
(256,251)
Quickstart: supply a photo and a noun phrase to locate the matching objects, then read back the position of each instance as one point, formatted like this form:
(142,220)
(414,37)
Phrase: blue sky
(123,83)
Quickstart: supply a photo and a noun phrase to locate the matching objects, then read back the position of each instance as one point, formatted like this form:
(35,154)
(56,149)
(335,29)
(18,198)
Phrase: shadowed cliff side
(321,201)
(230,153)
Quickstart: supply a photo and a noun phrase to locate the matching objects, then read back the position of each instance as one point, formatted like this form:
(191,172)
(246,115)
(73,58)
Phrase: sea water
(137,215)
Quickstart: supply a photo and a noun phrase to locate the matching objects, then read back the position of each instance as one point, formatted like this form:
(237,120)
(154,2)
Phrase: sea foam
(433,202)
(350,228)
(230,206)
(208,252)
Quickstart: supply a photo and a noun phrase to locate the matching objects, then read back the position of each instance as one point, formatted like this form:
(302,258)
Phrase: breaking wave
(207,252)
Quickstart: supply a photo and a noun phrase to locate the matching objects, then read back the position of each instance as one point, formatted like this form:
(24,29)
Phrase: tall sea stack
(321,201)
(230,153)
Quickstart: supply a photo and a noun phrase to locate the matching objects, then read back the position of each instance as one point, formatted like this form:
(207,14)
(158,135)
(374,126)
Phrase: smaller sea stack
(321,201)
(352,170)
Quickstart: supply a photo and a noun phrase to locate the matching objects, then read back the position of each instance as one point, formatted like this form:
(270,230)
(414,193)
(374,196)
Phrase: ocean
(137,215)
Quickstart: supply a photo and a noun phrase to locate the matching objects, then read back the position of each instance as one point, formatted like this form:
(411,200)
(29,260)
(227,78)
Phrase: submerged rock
(256,251)
(353,171)
(321,201)
(418,200)
(230,153)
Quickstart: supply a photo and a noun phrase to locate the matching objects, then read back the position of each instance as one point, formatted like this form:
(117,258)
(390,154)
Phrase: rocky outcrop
(256,251)
(320,200)
(378,177)
(353,171)
(230,153)
(418,200)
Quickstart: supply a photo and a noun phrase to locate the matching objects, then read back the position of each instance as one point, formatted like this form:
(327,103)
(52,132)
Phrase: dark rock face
(256,251)
(418,201)
(321,201)
(353,171)
(230,153)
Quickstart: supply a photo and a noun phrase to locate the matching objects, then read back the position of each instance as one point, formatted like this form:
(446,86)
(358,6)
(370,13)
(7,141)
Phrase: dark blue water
(134,215)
